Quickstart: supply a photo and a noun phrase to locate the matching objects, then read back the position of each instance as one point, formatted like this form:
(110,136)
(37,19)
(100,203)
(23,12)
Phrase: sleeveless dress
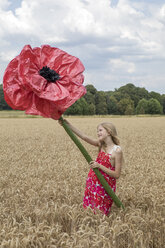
(95,195)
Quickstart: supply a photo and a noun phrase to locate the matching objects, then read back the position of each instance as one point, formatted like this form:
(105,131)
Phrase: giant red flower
(43,81)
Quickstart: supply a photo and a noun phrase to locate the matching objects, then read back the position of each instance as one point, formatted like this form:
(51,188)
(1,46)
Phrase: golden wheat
(42,181)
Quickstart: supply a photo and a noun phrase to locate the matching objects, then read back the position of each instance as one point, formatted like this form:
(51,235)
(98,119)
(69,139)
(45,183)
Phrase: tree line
(127,100)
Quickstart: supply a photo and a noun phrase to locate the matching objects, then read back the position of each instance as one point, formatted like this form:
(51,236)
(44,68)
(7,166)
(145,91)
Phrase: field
(42,181)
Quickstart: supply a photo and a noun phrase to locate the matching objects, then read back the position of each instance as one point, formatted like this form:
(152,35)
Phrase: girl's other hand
(94,164)
(60,122)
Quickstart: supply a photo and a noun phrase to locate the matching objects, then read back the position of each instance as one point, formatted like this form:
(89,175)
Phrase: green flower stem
(89,159)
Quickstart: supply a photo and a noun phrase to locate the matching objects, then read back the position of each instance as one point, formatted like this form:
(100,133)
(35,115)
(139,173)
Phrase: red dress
(95,195)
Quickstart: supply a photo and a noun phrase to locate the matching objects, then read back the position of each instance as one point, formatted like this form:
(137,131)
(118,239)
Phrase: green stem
(89,159)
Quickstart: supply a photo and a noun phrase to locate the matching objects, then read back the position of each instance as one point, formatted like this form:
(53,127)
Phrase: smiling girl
(109,163)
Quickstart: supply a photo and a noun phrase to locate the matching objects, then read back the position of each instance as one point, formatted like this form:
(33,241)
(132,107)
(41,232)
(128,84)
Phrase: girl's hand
(60,121)
(94,164)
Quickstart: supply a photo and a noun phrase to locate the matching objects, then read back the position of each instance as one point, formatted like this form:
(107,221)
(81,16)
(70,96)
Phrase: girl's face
(102,133)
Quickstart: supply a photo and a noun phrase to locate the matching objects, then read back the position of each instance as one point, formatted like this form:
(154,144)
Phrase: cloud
(7,56)
(4,4)
(108,36)
(122,65)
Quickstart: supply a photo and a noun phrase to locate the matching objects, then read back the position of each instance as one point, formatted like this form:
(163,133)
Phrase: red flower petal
(25,89)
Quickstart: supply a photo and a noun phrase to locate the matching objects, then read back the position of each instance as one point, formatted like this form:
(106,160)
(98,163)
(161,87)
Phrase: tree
(133,92)
(112,105)
(129,110)
(118,95)
(142,107)
(126,105)
(101,104)
(90,88)
(80,107)
(142,93)
(156,96)
(91,109)
(154,107)
(121,101)
(163,103)
(90,98)
(3,104)
(129,91)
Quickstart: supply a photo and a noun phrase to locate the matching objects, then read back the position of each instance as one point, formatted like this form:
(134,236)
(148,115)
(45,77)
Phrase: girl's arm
(118,165)
(84,137)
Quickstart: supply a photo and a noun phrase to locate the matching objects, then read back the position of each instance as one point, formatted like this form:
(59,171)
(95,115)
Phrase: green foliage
(90,88)
(129,110)
(112,105)
(163,103)
(126,106)
(133,92)
(101,104)
(156,96)
(90,98)
(91,109)
(118,95)
(3,104)
(142,107)
(80,107)
(151,106)
(127,100)
(154,107)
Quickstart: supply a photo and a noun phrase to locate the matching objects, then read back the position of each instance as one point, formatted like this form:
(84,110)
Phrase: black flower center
(49,74)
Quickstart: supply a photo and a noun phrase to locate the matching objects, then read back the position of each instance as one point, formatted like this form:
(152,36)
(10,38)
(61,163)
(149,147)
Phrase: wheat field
(42,182)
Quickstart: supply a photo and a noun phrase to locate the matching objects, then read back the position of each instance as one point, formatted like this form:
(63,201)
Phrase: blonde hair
(110,128)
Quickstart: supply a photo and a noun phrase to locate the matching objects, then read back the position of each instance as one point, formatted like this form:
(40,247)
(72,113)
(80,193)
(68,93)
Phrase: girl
(109,162)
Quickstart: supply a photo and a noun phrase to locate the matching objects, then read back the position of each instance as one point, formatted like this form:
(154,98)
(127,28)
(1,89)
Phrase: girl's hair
(110,128)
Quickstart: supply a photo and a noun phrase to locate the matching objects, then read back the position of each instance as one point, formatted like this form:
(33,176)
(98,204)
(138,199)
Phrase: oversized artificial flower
(46,81)
(43,81)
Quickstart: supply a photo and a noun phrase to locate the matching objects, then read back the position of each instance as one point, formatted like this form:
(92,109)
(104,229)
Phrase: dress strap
(115,148)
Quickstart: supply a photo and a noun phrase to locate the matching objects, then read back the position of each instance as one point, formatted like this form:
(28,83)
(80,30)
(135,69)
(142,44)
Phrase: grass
(21,114)
(15,114)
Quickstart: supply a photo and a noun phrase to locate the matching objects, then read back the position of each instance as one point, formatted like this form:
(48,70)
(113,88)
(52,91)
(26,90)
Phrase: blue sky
(13,4)
(118,41)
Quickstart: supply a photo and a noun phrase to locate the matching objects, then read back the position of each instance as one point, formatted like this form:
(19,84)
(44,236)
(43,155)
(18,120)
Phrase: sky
(118,41)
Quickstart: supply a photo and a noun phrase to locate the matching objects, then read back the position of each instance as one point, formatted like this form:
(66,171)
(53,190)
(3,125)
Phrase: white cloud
(106,37)
(118,64)
(7,56)
(4,4)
